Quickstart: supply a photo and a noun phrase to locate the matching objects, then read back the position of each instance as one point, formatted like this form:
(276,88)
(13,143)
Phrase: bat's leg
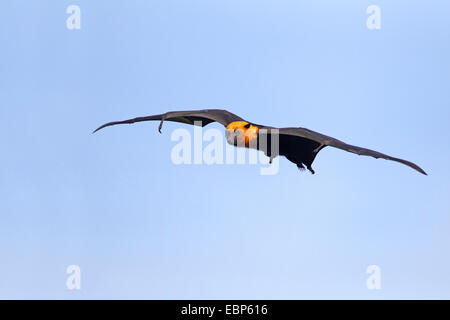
(300,166)
(317,150)
(310,169)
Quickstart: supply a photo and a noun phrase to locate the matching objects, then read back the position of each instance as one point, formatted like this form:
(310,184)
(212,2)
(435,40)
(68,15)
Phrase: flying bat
(298,145)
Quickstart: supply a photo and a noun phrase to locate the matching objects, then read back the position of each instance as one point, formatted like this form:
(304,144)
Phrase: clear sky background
(139,226)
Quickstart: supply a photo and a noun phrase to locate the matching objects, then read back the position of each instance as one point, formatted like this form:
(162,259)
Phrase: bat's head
(242,134)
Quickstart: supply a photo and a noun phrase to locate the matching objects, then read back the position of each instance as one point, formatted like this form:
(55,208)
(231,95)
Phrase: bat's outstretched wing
(205,116)
(324,141)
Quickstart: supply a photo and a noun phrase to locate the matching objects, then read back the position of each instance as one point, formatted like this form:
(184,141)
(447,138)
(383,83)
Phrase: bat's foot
(310,169)
(300,167)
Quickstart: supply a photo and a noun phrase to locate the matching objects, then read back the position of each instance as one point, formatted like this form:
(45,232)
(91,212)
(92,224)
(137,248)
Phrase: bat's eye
(247,126)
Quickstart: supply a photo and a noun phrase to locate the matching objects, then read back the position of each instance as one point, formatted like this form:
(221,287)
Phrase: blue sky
(140,226)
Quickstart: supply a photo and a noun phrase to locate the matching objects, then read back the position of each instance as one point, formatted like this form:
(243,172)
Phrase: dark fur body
(298,150)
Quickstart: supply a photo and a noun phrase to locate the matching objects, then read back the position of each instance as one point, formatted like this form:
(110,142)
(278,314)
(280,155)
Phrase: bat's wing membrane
(189,117)
(324,141)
